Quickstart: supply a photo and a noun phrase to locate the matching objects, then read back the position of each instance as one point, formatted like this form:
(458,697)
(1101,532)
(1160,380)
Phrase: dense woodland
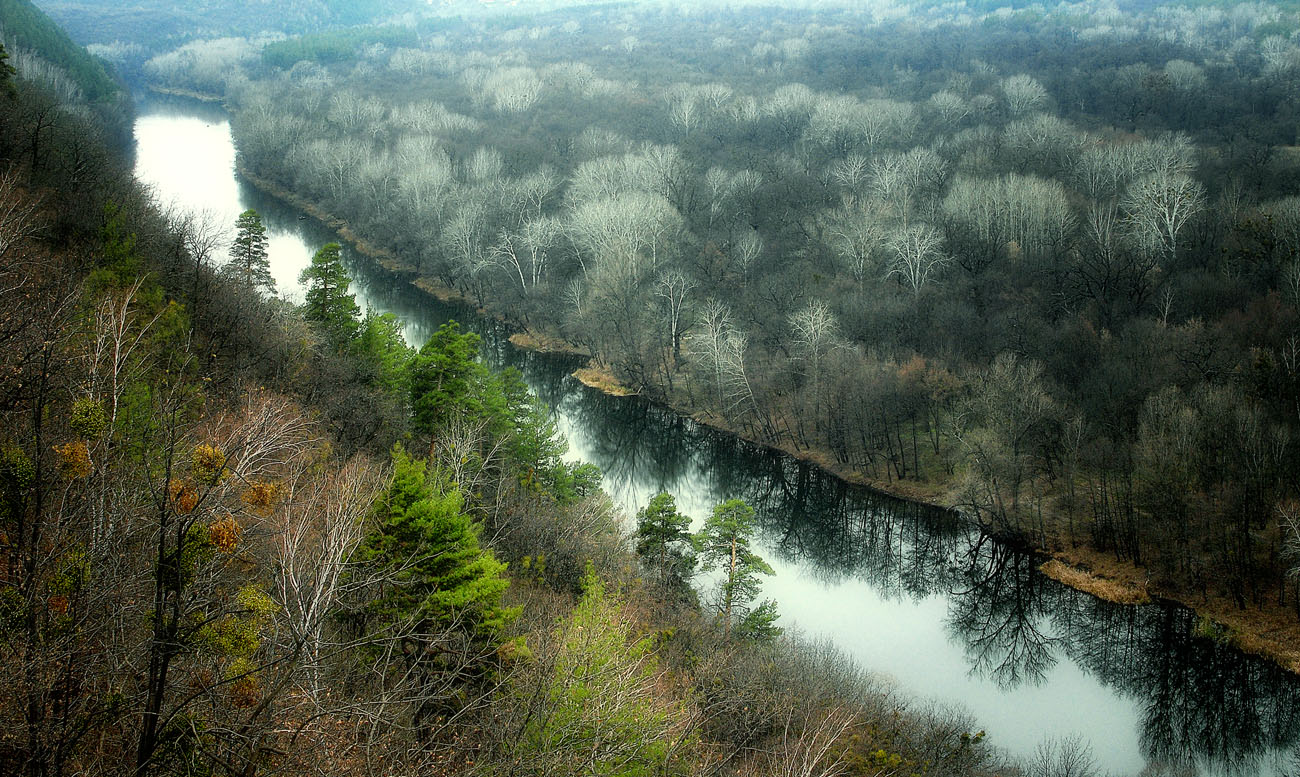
(1043,262)
(239,537)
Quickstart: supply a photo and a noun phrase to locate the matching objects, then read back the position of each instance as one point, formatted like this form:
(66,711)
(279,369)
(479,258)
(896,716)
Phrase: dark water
(909,591)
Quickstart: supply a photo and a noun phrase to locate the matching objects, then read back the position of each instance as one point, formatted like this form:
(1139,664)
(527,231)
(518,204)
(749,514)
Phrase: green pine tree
(724,544)
(249,263)
(598,700)
(381,346)
(447,379)
(426,549)
(7,74)
(663,541)
(329,305)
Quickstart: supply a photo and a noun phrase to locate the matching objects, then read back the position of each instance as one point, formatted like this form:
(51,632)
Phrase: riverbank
(1273,633)
(188,94)
(1270,632)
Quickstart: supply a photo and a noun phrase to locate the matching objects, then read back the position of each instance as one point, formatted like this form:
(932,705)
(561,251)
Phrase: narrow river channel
(906,590)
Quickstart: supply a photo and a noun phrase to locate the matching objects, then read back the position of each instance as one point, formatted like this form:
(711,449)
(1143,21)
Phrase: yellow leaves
(261,496)
(183,496)
(224,534)
(74,459)
(208,463)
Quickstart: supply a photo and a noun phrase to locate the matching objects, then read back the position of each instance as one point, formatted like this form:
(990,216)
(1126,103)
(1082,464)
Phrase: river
(908,591)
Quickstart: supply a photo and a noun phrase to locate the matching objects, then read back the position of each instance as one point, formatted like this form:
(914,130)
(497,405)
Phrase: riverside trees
(982,206)
(206,570)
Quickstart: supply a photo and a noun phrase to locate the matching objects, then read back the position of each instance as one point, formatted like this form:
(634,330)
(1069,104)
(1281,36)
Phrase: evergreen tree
(381,346)
(7,74)
(724,544)
(447,378)
(248,257)
(663,541)
(329,305)
(599,702)
(426,549)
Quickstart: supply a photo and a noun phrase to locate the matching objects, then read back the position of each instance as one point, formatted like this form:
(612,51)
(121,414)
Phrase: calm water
(906,590)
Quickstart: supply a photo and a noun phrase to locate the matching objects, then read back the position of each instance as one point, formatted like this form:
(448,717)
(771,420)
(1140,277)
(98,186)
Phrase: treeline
(155,23)
(23,25)
(1005,258)
(334,46)
(65,72)
(238,537)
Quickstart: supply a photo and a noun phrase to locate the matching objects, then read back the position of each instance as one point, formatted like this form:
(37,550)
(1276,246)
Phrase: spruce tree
(249,264)
(7,74)
(329,305)
(447,379)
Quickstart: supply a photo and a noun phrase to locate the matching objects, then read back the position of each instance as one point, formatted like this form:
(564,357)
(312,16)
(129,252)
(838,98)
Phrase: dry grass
(544,343)
(1118,591)
(601,379)
(1267,631)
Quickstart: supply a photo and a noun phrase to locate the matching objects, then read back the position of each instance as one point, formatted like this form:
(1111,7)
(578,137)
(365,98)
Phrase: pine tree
(380,345)
(663,541)
(7,74)
(447,379)
(724,544)
(426,549)
(329,305)
(249,264)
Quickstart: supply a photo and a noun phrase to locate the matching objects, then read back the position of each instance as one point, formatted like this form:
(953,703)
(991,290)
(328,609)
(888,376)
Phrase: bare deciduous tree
(918,254)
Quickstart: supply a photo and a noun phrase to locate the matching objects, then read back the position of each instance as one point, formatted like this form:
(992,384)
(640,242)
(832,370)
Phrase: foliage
(426,550)
(381,346)
(7,73)
(446,379)
(329,305)
(663,541)
(724,544)
(249,263)
(601,713)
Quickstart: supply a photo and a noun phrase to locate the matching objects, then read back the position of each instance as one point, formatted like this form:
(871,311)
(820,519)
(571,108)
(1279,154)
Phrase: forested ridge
(1040,263)
(242,537)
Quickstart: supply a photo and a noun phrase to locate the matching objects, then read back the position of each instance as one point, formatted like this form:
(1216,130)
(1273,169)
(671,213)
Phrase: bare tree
(918,254)
(672,288)
(855,236)
(1157,207)
(814,333)
(316,529)
(1068,756)
(528,251)
(1023,94)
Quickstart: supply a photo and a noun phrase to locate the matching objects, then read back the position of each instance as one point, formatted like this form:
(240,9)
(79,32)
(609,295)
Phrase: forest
(242,537)
(1039,264)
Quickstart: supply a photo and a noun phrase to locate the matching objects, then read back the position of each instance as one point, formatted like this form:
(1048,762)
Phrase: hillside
(238,537)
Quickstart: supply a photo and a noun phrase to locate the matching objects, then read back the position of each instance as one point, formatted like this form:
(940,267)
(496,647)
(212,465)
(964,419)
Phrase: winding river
(908,591)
